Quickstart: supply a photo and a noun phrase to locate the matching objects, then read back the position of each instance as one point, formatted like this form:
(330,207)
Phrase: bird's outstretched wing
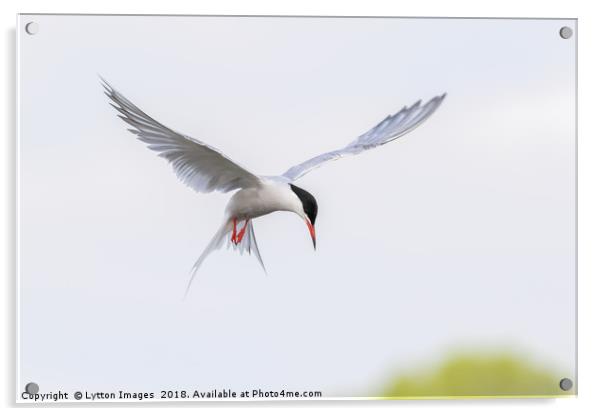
(197,164)
(391,128)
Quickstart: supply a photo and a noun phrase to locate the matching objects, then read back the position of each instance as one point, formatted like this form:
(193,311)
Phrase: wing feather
(198,165)
(390,128)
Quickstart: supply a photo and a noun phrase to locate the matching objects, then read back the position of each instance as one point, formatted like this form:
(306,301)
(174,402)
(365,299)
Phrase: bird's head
(310,210)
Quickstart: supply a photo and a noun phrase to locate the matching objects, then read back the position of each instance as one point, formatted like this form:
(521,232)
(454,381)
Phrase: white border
(18,206)
(590,172)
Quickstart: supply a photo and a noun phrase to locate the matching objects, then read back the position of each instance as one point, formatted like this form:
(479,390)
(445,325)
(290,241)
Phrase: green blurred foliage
(470,374)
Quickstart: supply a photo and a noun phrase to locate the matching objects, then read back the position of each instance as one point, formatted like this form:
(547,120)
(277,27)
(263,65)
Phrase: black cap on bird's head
(310,207)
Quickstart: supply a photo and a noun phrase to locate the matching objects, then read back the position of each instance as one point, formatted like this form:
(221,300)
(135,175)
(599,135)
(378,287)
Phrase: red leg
(233,239)
(241,233)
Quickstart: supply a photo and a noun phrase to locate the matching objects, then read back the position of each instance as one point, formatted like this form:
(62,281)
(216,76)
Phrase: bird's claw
(237,238)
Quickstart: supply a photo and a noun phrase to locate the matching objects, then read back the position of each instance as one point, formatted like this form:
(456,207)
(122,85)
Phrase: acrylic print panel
(445,237)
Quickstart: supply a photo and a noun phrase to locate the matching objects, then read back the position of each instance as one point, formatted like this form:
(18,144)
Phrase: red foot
(233,238)
(237,238)
(241,233)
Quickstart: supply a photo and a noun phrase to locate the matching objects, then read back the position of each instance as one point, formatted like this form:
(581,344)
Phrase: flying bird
(206,169)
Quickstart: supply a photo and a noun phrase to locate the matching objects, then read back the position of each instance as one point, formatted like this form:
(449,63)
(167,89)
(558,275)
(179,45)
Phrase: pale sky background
(461,235)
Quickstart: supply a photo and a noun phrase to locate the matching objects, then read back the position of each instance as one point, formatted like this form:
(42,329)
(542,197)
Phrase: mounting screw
(566,32)
(32,388)
(566,384)
(31,28)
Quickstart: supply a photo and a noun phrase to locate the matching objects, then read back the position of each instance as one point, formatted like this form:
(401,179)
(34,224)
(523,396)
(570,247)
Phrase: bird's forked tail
(247,244)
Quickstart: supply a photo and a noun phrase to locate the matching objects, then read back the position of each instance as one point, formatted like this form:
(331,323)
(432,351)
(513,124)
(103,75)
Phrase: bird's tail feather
(248,243)
(223,234)
(215,244)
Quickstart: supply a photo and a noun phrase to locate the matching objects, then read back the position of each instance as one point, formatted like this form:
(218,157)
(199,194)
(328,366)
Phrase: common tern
(206,169)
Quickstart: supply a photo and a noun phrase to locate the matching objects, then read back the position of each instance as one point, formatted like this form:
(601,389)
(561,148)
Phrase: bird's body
(206,169)
(269,196)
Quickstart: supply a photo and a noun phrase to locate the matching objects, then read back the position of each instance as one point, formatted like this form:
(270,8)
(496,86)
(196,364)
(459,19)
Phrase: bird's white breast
(271,196)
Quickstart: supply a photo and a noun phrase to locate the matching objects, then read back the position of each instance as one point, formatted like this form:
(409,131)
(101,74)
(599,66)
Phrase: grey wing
(391,128)
(197,164)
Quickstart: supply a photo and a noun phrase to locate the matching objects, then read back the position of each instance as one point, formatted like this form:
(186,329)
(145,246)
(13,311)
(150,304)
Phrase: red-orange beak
(312,232)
